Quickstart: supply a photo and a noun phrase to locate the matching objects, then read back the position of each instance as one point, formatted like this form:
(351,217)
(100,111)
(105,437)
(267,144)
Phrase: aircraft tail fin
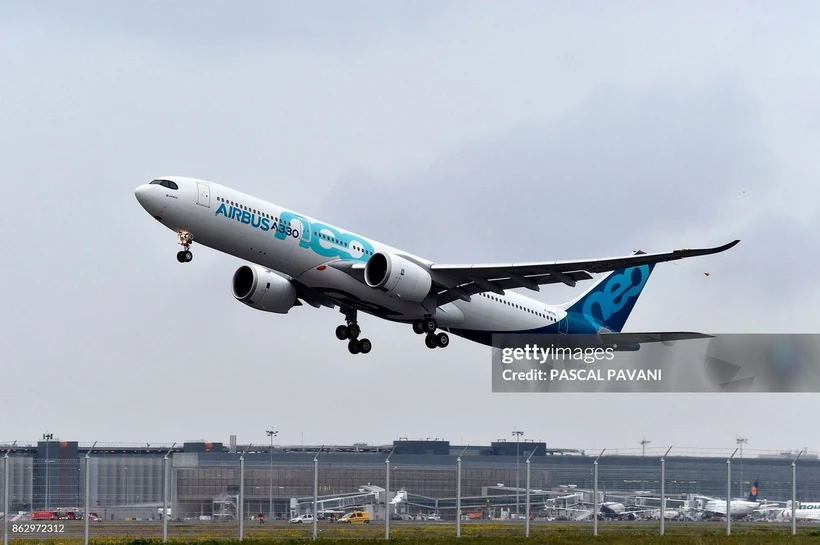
(609,301)
(753,492)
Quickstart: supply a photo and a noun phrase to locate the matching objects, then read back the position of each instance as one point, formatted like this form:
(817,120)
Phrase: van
(356,517)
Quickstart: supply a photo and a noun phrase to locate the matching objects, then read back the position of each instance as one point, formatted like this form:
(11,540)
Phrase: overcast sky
(459,131)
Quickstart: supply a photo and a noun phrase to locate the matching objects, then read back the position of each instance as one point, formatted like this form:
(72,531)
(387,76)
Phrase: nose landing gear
(185,239)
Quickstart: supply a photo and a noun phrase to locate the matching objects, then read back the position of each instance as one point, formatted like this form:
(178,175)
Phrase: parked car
(303,519)
(356,517)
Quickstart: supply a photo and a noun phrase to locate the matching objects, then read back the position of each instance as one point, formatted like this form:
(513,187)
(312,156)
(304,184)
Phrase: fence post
(595,495)
(794,493)
(458,492)
(241,505)
(316,492)
(6,474)
(729,493)
(527,495)
(387,495)
(663,490)
(87,491)
(166,477)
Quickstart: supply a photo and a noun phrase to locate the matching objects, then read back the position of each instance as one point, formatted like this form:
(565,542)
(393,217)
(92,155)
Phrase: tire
(430,341)
(181,257)
(418,327)
(353,331)
(188,256)
(365,345)
(429,325)
(353,346)
(341,332)
(442,340)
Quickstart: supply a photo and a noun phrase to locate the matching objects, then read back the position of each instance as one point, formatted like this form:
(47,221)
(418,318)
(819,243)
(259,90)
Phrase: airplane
(737,508)
(615,509)
(295,259)
(803,511)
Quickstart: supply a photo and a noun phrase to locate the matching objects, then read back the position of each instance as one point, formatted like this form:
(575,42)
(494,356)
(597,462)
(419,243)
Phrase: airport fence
(107,493)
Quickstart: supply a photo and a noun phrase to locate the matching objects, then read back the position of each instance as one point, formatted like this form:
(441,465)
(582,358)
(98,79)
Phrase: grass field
(140,533)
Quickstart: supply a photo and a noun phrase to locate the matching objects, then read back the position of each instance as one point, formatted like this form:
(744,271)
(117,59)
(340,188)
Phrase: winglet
(708,251)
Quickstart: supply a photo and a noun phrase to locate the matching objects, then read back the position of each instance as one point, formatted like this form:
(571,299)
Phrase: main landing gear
(350,331)
(185,239)
(432,339)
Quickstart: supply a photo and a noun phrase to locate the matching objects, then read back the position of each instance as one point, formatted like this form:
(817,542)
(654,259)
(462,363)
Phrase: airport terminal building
(205,477)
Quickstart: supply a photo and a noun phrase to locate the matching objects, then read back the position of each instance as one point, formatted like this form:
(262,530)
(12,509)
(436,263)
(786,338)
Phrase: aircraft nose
(141,193)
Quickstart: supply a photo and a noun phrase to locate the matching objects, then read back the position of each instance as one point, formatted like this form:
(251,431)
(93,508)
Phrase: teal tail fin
(609,302)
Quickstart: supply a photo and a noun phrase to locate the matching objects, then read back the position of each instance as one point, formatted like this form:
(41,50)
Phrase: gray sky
(463,132)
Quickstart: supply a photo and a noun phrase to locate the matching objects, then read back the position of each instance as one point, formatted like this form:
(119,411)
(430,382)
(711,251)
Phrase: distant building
(127,481)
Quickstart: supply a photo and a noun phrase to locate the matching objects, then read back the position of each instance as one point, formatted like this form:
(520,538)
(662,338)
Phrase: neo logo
(615,294)
(326,240)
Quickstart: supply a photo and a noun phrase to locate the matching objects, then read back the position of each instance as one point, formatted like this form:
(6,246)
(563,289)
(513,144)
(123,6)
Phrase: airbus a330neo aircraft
(294,259)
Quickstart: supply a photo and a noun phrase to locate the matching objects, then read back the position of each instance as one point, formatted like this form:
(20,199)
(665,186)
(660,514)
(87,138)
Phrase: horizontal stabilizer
(655,337)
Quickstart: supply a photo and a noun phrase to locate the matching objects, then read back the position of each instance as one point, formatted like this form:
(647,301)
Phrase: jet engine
(263,289)
(398,277)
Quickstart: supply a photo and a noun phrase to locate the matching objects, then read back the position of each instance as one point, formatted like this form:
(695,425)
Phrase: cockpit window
(166,183)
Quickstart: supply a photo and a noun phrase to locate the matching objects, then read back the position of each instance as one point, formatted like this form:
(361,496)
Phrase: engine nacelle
(398,277)
(262,289)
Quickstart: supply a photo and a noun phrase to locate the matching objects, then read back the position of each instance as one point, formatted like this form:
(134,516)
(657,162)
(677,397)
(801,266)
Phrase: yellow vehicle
(356,517)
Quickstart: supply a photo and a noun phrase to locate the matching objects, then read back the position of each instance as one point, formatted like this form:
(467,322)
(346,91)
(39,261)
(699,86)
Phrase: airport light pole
(729,493)
(271,434)
(741,441)
(518,434)
(47,437)
(6,494)
(595,494)
(458,492)
(794,493)
(663,489)
(644,442)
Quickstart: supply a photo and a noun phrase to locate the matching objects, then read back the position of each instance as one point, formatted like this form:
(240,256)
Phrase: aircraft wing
(462,281)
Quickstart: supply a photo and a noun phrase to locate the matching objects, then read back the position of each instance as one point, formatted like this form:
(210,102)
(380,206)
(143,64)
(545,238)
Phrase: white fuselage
(803,511)
(737,508)
(298,246)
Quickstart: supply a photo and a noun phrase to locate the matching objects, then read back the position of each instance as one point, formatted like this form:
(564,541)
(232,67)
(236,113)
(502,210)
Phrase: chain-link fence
(112,492)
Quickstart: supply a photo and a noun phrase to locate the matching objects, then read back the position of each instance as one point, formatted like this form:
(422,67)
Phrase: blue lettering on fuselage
(616,293)
(243,216)
(321,238)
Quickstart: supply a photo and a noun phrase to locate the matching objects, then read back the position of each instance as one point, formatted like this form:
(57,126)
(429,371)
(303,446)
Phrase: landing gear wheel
(341,332)
(185,239)
(442,340)
(418,327)
(429,325)
(430,341)
(353,331)
(353,346)
(365,346)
